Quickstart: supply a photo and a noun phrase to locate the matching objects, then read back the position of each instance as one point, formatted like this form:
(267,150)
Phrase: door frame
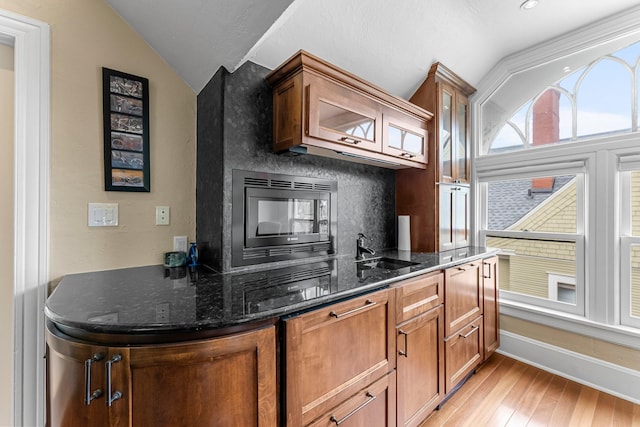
(31,41)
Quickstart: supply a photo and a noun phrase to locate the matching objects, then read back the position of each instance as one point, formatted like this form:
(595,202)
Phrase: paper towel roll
(404,233)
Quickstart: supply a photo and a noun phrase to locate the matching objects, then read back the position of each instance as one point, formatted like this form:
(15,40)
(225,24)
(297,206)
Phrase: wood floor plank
(507,406)
(585,407)
(562,413)
(529,402)
(603,414)
(544,411)
(623,413)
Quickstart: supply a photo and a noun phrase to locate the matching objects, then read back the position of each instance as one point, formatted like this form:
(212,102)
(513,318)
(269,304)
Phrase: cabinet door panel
(223,382)
(404,137)
(418,295)
(446,116)
(420,367)
(461,163)
(461,216)
(332,352)
(463,352)
(66,383)
(447,212)
(343,116)
(463,295)
(372,406)
(490,313)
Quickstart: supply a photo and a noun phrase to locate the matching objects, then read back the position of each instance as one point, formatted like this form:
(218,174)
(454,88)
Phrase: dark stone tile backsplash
(235,132)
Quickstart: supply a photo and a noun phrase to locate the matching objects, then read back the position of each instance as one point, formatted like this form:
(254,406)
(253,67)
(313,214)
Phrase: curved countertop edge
(151,332)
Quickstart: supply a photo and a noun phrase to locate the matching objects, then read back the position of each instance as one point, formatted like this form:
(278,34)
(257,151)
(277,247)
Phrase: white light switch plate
(103,215)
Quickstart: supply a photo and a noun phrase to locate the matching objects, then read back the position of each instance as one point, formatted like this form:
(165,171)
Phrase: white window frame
(627,164)
(602,242)
(495,170)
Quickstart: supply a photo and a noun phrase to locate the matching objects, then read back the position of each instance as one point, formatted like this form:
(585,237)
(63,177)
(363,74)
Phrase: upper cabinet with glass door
(321,109)
(446,94)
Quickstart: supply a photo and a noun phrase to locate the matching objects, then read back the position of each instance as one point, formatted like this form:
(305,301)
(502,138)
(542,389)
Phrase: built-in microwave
(280,217)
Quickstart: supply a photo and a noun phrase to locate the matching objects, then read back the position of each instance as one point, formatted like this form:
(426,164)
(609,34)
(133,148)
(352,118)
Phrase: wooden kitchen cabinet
(419,348)
(333,353)
(440,218)
(226,381)
(490,300)
(320,109)
(463,353)
(462,295)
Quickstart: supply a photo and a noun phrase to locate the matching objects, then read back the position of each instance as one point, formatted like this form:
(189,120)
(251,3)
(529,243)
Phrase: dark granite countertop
(156,300)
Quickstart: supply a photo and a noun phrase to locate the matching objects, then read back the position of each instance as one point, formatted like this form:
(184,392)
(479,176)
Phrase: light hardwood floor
(506,392)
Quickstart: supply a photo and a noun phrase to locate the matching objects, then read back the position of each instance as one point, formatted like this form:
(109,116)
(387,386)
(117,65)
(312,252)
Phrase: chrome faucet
(360,247)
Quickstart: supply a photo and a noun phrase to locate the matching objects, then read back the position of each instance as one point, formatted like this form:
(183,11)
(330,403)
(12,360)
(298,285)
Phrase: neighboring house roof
(510,201)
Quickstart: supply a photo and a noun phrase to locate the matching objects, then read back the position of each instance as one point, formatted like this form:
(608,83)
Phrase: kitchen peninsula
(175,346)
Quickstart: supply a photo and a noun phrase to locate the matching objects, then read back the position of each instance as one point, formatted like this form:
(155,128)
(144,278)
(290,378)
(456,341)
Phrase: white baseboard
(598,374)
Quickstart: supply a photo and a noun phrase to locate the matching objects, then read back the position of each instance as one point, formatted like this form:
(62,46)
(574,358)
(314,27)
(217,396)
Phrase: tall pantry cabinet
(437,199)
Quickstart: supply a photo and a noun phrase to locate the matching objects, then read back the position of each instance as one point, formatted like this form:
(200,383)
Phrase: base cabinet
(463,352)
(333,353)
(226,381)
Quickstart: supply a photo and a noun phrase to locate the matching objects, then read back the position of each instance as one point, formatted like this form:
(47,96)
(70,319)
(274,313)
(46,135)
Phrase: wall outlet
(162,215)
(180,243)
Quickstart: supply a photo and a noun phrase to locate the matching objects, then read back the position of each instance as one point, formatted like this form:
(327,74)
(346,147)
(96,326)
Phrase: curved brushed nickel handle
(340,421)
(366,305)
(468,334)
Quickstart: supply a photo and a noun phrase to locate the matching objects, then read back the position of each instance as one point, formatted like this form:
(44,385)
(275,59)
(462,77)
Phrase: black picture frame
(125,107)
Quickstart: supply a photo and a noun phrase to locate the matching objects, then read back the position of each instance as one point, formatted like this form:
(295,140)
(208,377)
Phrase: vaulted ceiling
(391,43)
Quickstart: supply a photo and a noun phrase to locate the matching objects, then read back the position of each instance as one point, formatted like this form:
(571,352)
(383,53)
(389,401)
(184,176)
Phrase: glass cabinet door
(404,137)
(340,115)
(461,151)
(446,134)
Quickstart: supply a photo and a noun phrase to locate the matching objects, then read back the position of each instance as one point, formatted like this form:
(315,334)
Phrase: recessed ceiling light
(529,4)
(566,69)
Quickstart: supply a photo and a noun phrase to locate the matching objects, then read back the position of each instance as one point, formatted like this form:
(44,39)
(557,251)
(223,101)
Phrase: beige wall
(598,349)
(85,36)
(6,234)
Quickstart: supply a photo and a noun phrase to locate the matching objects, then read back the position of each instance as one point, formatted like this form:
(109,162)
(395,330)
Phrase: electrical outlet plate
(180,243)
(162,215)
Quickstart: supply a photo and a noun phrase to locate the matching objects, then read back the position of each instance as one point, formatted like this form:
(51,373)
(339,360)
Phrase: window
(557,181)
(539,232)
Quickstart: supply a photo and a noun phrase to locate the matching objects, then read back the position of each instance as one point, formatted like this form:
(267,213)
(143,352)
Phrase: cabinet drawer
(418,295)
(462,295)
(333,352)
(373,406)
(463,352)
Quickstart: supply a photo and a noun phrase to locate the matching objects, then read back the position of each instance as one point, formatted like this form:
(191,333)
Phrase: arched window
(599,99)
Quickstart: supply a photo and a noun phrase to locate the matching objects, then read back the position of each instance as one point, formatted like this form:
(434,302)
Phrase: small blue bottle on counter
(193,255)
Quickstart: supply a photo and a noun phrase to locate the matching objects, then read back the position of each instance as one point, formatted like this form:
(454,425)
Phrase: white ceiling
(391,43)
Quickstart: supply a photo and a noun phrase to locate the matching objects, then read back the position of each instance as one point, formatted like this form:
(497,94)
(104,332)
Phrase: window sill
(615,334)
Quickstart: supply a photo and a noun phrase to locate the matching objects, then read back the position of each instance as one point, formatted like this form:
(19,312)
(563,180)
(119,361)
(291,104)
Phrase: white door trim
(31,211)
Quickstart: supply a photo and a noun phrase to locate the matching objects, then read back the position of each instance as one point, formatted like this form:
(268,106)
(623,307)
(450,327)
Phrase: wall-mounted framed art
(126,131)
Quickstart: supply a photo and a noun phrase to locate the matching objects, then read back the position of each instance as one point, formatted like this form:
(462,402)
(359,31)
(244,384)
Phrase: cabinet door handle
(112,397)
(350,140)
(368,401)
(409,155)
(88,395)
(462,269)
(367,304)
(406,343)
(468,334)
(489,265)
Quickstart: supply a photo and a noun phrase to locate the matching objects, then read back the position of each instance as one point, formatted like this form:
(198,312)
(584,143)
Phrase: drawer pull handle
(367,304)
(462,269)
(112,397)
(404,353)
(350,140)
(468,334)
(409,155)
(338,422)
(88,394)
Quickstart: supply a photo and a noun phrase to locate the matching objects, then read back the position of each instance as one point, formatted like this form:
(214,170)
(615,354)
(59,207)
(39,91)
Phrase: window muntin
(594,100)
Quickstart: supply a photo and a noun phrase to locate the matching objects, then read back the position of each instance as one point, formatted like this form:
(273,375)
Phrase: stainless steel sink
(384,263)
